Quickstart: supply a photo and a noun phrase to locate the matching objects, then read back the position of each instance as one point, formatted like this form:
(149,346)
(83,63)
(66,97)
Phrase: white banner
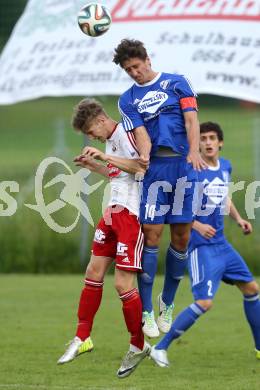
(215,43)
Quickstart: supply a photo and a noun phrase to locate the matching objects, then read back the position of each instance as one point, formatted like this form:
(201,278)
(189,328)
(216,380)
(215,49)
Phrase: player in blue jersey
(165,105)
(212,258)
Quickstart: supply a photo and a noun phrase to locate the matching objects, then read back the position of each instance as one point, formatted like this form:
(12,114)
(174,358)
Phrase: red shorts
(120,239)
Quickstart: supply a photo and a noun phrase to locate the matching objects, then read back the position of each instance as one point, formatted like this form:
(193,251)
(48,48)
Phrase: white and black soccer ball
(94,19)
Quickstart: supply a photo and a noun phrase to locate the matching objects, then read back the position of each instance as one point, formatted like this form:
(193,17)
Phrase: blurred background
(33,130)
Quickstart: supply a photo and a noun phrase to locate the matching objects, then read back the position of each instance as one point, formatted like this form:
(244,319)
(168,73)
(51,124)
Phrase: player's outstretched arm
(193,134)
(125,164)
(234,214)
(128,165)
(204,229)
(93,166)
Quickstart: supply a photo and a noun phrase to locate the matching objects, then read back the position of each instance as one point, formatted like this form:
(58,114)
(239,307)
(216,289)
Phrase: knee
(251,288)
(119,286)
(206,304)
(124,281)
(180,240)
(122,288)
(94,272)
(151,237)
(254,288)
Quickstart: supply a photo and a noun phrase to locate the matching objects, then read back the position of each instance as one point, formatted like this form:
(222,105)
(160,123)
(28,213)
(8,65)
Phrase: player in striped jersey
(212,258)
(165,105)
(118,236)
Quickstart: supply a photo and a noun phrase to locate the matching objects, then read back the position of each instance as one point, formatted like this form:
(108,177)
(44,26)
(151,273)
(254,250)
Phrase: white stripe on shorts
(194,267)
(139,249)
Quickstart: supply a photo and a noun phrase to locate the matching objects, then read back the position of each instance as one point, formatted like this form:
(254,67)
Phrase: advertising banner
(215,43)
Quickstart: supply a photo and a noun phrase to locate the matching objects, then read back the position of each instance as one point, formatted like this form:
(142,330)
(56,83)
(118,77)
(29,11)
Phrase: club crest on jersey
(152,101)
(164,84)
(216,190)
(99,236)
(114,148)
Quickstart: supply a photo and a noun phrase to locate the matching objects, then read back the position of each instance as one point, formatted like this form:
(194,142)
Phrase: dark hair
(129,48)
(85,112)
(211,126)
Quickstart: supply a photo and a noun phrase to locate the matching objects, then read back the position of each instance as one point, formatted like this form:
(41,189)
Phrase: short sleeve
(130,116)
(127,145)
(187,95)
(226,169)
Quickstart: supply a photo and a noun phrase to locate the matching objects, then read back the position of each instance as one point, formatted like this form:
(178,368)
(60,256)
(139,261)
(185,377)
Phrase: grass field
(32,131)
(38,316)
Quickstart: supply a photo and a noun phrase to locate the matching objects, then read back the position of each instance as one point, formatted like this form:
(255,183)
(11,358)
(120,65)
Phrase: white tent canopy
(216,44)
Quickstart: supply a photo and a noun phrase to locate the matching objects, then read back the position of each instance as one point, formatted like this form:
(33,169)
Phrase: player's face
(97,130)
(209,145)
(139,70)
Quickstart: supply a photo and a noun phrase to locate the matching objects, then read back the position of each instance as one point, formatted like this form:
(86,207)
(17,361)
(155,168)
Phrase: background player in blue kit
(165,105)
(212,258)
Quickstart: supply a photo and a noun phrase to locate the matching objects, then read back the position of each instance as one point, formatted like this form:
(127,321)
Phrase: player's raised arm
(143,143)
(132,121)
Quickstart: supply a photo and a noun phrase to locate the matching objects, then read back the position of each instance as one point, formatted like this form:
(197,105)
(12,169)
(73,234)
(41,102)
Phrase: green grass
(34,130)
(38,316)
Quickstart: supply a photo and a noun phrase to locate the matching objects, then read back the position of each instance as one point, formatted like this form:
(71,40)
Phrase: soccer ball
(94,19)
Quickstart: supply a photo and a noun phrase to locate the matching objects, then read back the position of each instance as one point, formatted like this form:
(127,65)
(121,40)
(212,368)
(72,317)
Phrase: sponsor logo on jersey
(152,101)
(216,190)
(121,249)
(99,236)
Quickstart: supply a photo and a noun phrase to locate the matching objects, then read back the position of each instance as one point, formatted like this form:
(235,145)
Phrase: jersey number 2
(209,288)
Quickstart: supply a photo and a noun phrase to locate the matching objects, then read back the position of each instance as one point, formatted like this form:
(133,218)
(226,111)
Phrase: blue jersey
(159,106)
(212,195)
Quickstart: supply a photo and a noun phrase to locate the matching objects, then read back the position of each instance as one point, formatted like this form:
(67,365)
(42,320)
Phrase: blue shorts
(168,191)
(209,264)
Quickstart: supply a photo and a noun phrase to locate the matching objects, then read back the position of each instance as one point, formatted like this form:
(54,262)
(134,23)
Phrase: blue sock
(252,311)
(175,265)
(182,323)
(145,279)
